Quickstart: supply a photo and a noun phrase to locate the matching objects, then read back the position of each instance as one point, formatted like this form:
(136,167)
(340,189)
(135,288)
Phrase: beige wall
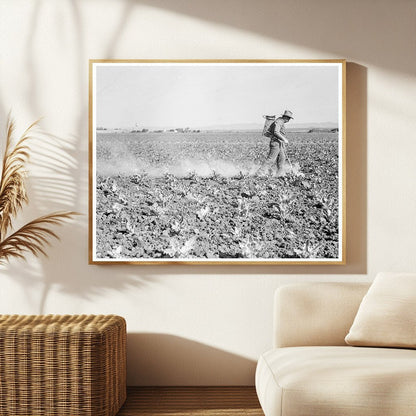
(204,325)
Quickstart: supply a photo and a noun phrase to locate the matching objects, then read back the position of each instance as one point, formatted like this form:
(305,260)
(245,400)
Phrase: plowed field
(195,196)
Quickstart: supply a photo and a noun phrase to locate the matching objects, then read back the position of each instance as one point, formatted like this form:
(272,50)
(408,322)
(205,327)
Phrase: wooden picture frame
(183,166)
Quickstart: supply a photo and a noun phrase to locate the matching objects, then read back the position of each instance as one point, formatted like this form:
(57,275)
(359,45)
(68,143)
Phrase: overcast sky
(202,96)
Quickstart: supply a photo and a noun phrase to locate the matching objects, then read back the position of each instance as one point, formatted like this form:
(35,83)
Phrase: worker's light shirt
(279,127)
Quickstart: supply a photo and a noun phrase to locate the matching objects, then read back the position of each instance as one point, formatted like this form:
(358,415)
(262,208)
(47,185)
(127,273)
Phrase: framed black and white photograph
(217,162)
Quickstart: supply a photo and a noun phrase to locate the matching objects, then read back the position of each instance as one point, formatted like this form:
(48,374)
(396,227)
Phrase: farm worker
(278,140)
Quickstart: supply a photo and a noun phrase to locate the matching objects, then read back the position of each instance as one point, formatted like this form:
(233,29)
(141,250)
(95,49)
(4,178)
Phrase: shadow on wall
(338,28)
(52,187)
(60,182)
(161,359)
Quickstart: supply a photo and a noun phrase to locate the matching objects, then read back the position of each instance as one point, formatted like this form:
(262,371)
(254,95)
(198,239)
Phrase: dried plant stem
(34,236)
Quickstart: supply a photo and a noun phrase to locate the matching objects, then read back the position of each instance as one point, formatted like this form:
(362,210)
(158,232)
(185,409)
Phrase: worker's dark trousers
(275,160)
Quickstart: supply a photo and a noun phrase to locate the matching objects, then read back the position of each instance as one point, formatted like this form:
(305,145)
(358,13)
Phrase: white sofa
(311,371)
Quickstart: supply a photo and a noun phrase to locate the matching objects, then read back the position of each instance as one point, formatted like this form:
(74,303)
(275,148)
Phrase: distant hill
(323,130)
(259,126)
(325,125)
(235,127)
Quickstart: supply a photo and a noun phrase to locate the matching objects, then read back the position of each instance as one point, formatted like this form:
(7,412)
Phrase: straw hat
(287,113)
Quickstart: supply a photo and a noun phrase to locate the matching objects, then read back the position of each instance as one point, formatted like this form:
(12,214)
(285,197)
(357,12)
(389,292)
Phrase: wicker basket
(54,365)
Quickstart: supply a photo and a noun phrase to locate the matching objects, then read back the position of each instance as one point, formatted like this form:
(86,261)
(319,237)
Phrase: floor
(187,401)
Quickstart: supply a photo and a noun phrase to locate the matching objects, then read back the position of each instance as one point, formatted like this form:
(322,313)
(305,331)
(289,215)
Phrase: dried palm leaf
(12,182)
(33,237)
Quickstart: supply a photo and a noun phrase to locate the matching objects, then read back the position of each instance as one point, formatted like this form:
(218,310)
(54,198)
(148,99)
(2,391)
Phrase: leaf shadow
(59,181)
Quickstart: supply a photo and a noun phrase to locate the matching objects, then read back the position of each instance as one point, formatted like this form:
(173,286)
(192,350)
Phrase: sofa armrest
(309,314)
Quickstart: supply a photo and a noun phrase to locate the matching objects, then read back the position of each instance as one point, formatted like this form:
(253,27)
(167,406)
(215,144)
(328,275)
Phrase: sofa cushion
(342,381)
(387,314)
(315,314)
